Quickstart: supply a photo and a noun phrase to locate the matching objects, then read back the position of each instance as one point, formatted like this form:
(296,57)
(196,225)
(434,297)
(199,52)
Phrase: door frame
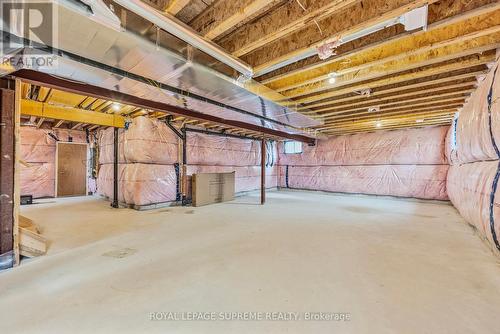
(86,166)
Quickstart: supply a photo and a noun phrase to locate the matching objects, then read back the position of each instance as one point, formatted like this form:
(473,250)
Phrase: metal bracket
(169,124)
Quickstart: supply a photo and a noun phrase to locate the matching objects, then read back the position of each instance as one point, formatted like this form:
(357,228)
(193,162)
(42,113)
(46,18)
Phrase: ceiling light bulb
(378,124)
(116,106)
(420,120)
(332,80)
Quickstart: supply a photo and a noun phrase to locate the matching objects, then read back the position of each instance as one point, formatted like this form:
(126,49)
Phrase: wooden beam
(17,170)
(396,119)
(404,95)
(435,56)
(45,110)
(175,6)
(406,115)
(441,14)
(59,123)
(455,64)
(226,15)
(384,105)
(419,42)
(426,83)
(40,122)
(449,107)
(374,128)
(7,176)
(352,19)
(281,22)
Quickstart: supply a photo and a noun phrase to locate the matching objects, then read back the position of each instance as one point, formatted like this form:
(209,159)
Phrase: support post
(7,175)
(115,170)
(263,172)
(184,166)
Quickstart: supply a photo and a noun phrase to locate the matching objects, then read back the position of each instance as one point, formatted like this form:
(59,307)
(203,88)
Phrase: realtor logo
(28,28)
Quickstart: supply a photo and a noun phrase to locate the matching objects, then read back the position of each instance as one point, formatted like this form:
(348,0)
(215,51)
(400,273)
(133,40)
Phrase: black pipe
(169,124)
(184,146)
(184,166)
(115,171)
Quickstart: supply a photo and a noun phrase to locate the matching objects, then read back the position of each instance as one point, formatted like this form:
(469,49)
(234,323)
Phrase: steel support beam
(184,166)
(115,204)
(50,81)
(263,172)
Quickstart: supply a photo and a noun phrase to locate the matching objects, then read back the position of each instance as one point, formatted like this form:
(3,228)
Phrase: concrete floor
(396,266)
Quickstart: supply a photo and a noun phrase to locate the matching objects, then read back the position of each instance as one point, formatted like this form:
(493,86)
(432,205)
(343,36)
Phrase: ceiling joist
(469,30)
(427,71)
(226,15)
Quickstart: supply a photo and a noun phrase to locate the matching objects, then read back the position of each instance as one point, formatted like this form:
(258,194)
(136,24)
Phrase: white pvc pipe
(177,28)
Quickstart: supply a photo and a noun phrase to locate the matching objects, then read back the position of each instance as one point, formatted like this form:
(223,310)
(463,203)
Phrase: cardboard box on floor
(211,188)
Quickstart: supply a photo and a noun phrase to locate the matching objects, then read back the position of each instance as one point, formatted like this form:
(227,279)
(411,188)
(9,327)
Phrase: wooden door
(71,169)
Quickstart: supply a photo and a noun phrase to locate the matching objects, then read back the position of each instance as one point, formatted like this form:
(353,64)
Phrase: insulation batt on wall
(148,151)
(405,163)
(38,150)
(472,150)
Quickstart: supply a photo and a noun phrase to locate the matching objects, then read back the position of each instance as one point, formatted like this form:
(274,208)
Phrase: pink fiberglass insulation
(38,151)
(145,141)
(405,163)
(38,179)
(473,136)
(139,184)
(154,144)
(36,145)
(411,146)
(470,188)
(222,151)
(418,181)
(215,154)
(473,177)
(106,146)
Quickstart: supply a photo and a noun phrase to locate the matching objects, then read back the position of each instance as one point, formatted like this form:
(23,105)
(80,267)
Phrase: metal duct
(177,28)
(96,53)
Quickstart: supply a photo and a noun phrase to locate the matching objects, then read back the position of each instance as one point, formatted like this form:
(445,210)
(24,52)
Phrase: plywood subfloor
(397,266)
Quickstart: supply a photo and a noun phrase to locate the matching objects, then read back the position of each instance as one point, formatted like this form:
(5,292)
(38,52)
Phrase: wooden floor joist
(394,67)
(442,13)
(402,95)
(408,112)
(462,30)
(421,100)
(443,80)
(395,120)
(227,15)
(348,20)
(399,125)
(446,67)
